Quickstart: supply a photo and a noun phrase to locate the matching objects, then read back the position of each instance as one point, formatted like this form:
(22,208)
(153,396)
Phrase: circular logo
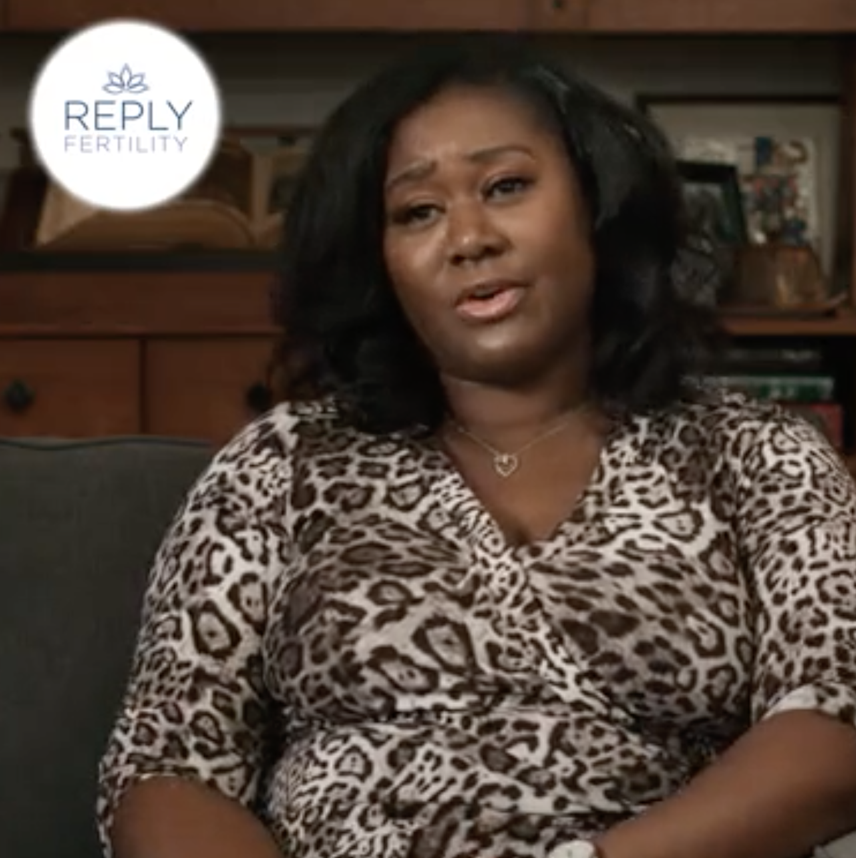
(125,115)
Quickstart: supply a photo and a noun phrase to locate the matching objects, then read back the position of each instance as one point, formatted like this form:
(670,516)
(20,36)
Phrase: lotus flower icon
(125,81)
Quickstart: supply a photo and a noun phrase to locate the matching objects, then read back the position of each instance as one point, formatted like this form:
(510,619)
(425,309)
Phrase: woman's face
(487,238)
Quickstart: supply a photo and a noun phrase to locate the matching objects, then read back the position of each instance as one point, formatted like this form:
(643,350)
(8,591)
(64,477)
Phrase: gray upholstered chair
(79,525)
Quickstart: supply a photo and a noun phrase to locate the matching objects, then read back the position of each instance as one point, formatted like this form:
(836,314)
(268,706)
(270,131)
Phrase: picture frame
(726,127)
(714,201)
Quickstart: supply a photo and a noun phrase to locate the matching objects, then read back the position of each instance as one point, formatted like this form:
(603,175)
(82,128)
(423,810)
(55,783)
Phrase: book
(781,388)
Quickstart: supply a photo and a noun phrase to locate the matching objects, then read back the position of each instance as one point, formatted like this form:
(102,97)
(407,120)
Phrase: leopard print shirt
(337,636)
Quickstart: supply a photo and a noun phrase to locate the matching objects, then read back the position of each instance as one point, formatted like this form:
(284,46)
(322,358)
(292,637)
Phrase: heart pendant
(505,464)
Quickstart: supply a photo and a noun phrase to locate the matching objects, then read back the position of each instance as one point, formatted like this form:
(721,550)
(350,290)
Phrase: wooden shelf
(130,263)
(94,295)
(334,16)
(840,325)
(98,303)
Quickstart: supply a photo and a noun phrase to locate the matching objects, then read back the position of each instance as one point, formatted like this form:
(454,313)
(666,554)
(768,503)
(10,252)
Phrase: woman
(513,584)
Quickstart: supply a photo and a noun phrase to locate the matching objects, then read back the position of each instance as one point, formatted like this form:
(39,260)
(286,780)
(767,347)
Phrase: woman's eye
(414,214)
(509,185)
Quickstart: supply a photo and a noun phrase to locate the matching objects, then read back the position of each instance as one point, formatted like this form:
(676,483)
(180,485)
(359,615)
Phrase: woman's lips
(502,302)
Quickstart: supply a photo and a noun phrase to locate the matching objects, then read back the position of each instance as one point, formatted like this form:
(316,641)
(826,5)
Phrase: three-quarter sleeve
(797,515)
(195,705)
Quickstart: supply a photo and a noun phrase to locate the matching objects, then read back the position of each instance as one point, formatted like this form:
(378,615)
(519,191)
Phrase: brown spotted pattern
(336,635)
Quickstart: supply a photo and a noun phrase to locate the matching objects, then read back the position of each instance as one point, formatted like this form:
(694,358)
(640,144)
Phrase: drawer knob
(18,396)
(259,398)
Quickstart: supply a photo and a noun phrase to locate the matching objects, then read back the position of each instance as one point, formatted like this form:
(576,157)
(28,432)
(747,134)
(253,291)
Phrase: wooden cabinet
(248,15)
(125,352)
(74,388)
(204,388)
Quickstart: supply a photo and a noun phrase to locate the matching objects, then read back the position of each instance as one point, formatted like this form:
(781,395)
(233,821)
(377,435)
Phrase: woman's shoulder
(279,429)
(258,460)
(735,427)
(728,412)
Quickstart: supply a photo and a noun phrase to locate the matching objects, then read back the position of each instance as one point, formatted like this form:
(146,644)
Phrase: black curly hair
(344,335)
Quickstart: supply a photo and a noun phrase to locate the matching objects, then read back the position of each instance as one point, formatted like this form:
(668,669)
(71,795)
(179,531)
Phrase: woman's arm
(173,818)
(789,784)
(192,741)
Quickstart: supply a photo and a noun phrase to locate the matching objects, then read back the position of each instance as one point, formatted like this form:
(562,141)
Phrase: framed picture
(786,152)
(714,201)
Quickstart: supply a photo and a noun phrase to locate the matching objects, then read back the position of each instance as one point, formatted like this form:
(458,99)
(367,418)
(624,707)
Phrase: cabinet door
(721,16)
(69,388)
(205,388)
(236,15)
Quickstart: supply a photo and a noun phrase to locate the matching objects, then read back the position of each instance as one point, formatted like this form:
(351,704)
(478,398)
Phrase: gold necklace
(505,464)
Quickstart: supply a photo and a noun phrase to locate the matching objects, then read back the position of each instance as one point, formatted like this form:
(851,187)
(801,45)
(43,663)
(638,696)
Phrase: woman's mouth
(490,302)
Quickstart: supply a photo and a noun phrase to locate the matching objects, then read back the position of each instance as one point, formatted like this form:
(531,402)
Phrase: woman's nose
(472,234)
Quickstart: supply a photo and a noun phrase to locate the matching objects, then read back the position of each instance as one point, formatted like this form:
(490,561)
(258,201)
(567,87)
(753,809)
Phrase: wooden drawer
(204,388)
(69,388)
